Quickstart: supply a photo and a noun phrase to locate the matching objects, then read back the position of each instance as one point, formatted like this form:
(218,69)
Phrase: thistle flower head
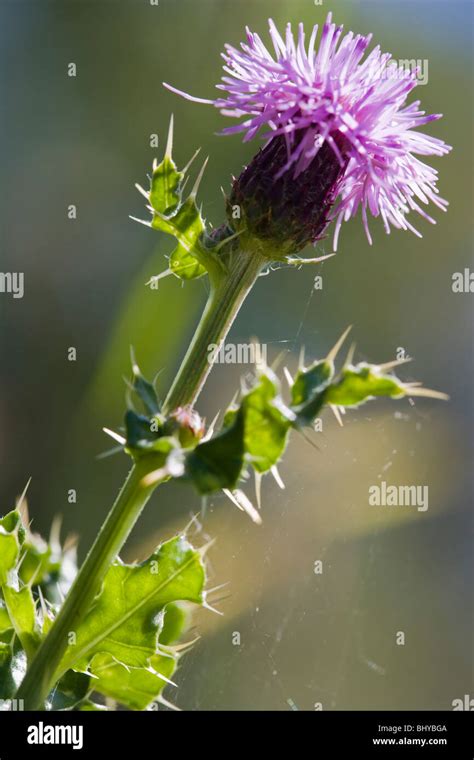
(330,97)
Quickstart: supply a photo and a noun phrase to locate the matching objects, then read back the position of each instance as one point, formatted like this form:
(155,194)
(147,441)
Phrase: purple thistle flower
(314,99)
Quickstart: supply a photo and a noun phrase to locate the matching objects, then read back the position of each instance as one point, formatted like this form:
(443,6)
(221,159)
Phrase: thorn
(175,648)
(226,240)
(60,592)
(207,606)
(276,475)
(163,678)
(165,702)
(210,430)
(119,438)
(335,349)
(160,474)
(350,355)
(297,261)
(20,500)
(301,359)
(193,521)
(55,532)
(161,276)
(308,439)
(140,221)
(109,453)
(241,501)
(395,363)
(233,402)
(258,488)
(276,362)
(337,414)
(169,143)
(412,390)
(198,180)
(191,161)
(288,377)
(217,588)
(202,551)
(133,362)
(260,363)
(142,191)
(155,164)
(44,609)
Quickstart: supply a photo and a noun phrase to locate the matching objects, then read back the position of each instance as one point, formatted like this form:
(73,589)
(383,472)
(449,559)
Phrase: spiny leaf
(175,622)
(359,384)
(180,218)
(133,687)
(12,535)
(217,463)
(165,190)
(70,692)
(307,390)
(124,620)
(187,226)
(138,429)
(5,622)
(266,423)
(22,613)
(144,390)
(185,265)
(47,565)
(12,667)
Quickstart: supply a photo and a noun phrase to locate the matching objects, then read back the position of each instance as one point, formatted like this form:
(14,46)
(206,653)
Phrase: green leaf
(12,667)
(165,190)
(47,565)
(5,622)
(138,430)
(217,463)
(175,622)
(133,687)
(144,390)
(70,692)
(22,613)
(12,535)
(125,618)
(185,265)
(361,383)
(307,391)
(266,423)
(187,226)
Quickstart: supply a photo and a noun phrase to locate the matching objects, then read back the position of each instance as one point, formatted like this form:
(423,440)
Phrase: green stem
(43,672)
(227,294)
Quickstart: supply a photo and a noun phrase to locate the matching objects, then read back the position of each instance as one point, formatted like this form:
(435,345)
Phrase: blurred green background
(305,638)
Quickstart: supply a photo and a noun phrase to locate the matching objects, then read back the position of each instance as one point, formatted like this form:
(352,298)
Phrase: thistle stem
(44,670)
(225,299)
(226,296)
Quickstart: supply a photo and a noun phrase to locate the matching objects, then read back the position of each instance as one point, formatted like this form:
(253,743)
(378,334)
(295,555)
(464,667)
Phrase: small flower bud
(286,212)
(186,424)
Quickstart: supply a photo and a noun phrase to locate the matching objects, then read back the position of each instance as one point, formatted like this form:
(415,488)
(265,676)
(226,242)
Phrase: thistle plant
(339,140)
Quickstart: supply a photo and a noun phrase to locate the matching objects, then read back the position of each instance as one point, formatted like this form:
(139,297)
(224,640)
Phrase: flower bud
(285,210)
(186,424)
